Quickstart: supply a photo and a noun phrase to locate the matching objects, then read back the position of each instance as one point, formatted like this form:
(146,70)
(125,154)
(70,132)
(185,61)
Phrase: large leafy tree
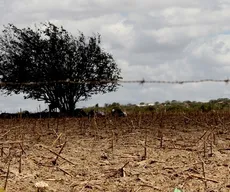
(49,64)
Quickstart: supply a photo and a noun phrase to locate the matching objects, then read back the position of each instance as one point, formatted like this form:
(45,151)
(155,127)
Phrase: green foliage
(177,190)
(176,106)
(114,104)
(49,54)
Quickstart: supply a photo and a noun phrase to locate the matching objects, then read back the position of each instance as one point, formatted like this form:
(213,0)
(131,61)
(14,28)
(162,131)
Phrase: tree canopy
(49,64)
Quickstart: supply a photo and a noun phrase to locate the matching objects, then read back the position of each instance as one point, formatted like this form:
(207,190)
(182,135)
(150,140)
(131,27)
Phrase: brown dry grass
(142,152)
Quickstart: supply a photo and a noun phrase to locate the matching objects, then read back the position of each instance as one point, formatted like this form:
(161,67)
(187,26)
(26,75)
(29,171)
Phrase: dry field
(142,152)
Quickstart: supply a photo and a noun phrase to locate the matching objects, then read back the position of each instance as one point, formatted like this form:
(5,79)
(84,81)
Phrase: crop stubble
(141,152)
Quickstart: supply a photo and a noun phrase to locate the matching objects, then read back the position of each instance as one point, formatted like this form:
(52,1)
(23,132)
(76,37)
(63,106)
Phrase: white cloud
(216,49)
(154,40)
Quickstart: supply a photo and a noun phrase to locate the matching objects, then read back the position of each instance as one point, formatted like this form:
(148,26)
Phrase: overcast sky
(154,40)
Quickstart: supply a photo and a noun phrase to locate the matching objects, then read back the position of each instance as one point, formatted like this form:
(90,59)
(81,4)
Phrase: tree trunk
(69,108)
(65,104)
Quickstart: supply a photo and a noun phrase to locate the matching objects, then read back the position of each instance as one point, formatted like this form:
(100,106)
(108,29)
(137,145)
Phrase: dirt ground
(132,154)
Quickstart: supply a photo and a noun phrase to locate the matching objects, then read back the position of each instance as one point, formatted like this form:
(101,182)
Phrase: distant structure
(145,104)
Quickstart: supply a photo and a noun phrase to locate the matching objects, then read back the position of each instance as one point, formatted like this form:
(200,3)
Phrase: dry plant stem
(202,136)
(200,177)
(201,124)
(139,120)
(211,148)
(5,134)
(81,125)
(228,174)
(33,129)
(15,135)
(48,125)
(113,140)
(204,148)
(56,154)
(10,142)
(64,127)
(120,171)
(55,160)
(150,186)
(214,139)
(65,171)
(55,132)
(52,179)
(21,146)
(222,123)
(57,124)
(55,141)
(20,132)
(224,149)
(8,157)
(145,153)
(125,165)
(138,189)
(20,162)
(95,127)
(133,126)
(161,142)
(105,124)
(82,189)
(2,150)
(7,174)
(204,175)
(145,147)
(161,124)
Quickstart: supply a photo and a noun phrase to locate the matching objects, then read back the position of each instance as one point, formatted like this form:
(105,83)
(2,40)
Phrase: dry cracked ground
(136,153)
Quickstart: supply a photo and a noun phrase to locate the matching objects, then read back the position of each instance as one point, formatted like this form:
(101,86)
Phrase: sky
(155,40)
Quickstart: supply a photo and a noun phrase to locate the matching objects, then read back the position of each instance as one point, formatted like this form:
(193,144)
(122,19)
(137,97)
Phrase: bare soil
(145,152)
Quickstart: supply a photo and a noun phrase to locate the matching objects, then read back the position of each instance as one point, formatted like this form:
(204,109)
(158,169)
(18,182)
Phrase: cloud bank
(154,40)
